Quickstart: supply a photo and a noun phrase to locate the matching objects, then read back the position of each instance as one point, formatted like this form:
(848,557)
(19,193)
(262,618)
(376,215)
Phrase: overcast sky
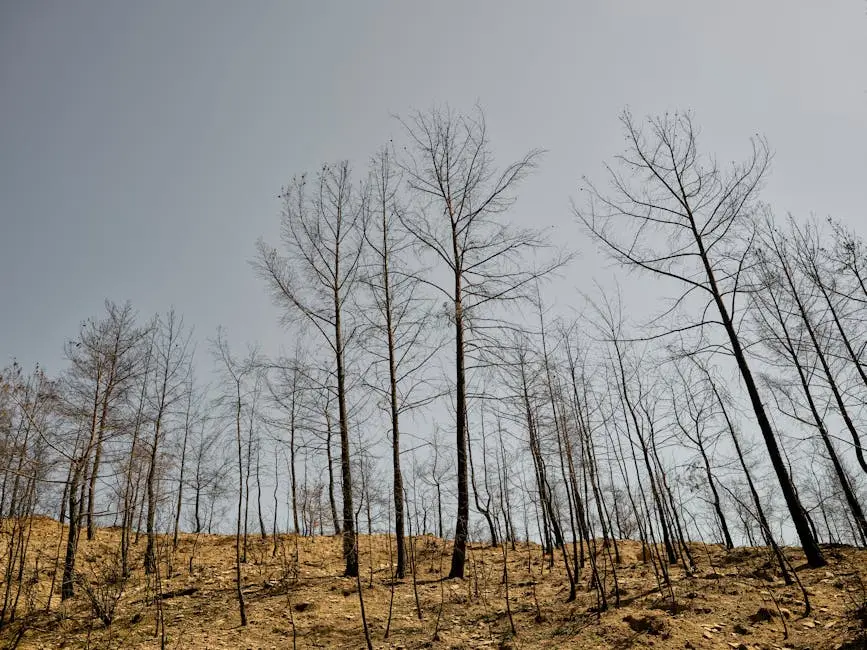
(143,144)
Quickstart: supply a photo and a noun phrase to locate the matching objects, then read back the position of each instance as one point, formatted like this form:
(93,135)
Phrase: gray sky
(143,144)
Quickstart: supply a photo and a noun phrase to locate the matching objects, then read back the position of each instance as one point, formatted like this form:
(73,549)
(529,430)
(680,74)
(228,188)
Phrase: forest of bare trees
(444,371)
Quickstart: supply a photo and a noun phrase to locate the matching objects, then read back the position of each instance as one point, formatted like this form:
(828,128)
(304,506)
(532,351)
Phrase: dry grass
(734,600)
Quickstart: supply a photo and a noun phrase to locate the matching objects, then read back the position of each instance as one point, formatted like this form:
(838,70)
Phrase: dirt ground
(732,600)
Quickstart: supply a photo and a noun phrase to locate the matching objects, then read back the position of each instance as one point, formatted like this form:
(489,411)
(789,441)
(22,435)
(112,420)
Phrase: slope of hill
(732,600)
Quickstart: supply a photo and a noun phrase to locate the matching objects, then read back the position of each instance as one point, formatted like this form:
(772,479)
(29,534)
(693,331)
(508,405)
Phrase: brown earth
(733,600)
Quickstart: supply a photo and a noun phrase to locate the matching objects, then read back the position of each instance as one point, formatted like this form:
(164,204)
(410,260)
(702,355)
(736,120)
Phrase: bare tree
(433,472)
(191,419)
(398,323)
(679,216)
(236,375)
(693,408)
(785,316)
(289,390)
(458,198)
(208,468)
(133,464)
(323,238)
(169,385)
(321,423)
(253,395)
(120,344)
(809,255)
(523,371)
(28,412)
(102,362)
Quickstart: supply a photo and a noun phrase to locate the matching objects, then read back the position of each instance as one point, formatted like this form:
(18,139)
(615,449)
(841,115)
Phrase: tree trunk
(239,592)
(150,549)
(462,525)
(331,501)
(796,509)
(67,585)
(485,510)
(180,501)
(292,476)
(350,546)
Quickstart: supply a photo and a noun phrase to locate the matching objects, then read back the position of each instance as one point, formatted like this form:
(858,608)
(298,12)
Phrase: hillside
(733,600)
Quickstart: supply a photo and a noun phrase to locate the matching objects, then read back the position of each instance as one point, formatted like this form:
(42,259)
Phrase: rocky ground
(732,600)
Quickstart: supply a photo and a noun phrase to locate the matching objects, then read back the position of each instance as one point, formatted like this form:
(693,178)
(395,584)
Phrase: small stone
(763,615)
(648,624)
